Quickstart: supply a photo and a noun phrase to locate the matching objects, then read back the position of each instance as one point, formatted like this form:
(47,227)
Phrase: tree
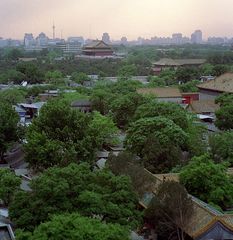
(190,86)
(54,77)
(8,127)
(76,189)
(80,77)
(124,107)
(171,111)
(14,76)
(72,227)
(221,147)
(224,117)
(128,164)
(13,96)
(61,135)
(186,74)
(170,210)
(167,139)
(208,181)
(219,69)
(9,183)
(224,99)
(31,71)
(103,129)
(127,71)
(13,54)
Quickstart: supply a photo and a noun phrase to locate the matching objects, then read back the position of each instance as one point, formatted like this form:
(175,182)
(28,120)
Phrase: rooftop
(179,62)
(162,92)
(203,106)
(223,83)
(97,44)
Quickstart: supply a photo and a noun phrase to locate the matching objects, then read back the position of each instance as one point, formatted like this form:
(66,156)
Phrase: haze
(130,18)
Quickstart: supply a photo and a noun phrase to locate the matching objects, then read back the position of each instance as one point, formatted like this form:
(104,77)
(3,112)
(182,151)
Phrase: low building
(189,97)
(97,49)
(213,88)
(6,232)
(83,105)
(205,107)
(168,63)
(164,94)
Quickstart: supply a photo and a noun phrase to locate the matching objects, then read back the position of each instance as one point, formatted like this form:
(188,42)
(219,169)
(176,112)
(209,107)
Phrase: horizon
(129,18)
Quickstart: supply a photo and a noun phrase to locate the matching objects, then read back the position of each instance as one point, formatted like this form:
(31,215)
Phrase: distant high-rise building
(42,40)
(196,37)
(78,40)
(124,40)
(177,38)
(29,40)
(106,38)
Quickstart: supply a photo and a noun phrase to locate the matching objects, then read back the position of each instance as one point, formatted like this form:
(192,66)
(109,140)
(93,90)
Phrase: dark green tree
(167,139)
(224,117)
(9,183)
(8,127)
(221,147)
(219,69)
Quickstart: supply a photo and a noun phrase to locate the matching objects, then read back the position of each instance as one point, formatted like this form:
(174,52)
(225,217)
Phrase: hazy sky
(130,18)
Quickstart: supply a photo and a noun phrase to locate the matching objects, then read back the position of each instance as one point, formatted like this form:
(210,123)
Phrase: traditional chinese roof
(162,92)
(203,106)
(178,62)
(204,216)
(97,45)
(223,83)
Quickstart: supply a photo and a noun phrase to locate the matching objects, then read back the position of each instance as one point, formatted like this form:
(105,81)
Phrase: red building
(189,97)
(97,49)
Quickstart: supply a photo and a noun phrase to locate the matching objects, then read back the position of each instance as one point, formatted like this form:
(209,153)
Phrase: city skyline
(130,18)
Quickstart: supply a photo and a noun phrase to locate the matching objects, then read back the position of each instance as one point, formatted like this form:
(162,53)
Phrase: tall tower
(54,31)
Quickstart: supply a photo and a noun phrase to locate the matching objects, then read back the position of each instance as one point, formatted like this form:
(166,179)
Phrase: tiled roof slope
(223,83)
(204,216)
(161,92)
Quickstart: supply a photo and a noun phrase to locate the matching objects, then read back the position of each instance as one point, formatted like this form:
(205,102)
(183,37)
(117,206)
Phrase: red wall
(189,97)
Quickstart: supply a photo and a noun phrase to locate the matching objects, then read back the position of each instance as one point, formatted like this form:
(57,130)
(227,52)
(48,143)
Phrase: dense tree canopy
(224,117)
(9,183)
(61,135)
(8,127)
(76,189)
(221,147)
(208,181)
(73,227)
(164,135)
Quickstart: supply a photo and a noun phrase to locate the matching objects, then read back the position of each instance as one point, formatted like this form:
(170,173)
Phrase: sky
(130,18)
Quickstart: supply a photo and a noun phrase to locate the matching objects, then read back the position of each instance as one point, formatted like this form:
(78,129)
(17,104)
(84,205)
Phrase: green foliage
(224,117)
(155,81)
(61,135)
(124,106)
(207,69)
(13,96)
(76,189)
(170,210)
(208,181)
(127,71)
(54,77)
(219,69)
(164,135)
(73,96)
(8,127)
(128,164)
(103,129)
(80,77)
(12,76)
(186,74)
(73,227)
(9,183)
(224,99)
(221,147)
(171,111)
(190,86)
(31,71)
(12,54)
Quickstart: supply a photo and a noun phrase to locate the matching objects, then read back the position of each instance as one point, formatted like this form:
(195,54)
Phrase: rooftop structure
(97,48)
